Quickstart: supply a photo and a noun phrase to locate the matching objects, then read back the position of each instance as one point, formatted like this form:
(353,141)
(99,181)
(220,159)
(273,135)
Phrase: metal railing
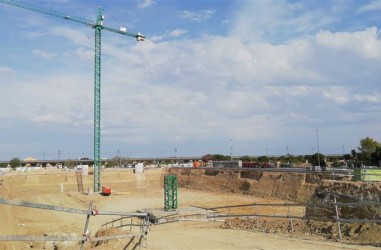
(85,236)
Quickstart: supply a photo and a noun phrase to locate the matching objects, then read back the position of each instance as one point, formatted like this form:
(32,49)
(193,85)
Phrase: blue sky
(256,76)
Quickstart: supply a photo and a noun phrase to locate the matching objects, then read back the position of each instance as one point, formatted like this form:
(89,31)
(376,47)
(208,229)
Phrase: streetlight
(119,157)
(317,142)
(231,150)
(176,157)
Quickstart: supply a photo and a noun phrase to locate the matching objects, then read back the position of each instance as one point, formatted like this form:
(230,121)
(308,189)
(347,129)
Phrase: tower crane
(98,27)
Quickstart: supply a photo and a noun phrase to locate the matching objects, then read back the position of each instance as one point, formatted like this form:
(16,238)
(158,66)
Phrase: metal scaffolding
(170,192)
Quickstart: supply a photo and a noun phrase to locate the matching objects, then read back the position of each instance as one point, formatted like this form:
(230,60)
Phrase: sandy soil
(130,193)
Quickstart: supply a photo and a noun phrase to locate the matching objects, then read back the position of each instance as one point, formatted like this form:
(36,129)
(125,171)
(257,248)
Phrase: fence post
(256,216)
(337,217)
(290,219)
(230,222)
(85,233)
(144,230)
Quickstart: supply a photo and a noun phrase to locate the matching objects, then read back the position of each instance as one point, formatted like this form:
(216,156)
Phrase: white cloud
(51,119)
(156,38)
(205,90)
(197,16)
(6,70)
(369,98)
(85,54)
(44,54)
(78,37)
(365,42)
(182,91)
(337,94)
(146,4)
(177,32)
(169,34)
(278,21)
(372,6)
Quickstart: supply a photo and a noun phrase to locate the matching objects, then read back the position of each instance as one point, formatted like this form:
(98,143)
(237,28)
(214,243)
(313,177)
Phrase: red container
(106,191)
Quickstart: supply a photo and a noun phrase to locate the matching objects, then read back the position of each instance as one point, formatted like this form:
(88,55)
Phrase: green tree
(300,159)
(263,159)
(348,157)
(245,158)
(113,162)
(318,158)
(15,162)
(206,158)
(338,164)
(367,147)
(353,154)
(219,157)
(70,163)
(376,157)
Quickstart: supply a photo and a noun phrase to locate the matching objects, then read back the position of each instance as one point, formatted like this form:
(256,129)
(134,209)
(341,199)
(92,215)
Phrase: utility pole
(59,155)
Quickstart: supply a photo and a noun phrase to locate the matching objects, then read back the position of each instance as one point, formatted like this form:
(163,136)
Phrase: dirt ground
(130,193)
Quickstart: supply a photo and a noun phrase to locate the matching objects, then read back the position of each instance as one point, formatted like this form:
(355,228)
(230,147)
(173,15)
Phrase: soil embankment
(346,191)
(300,188)
(286,186)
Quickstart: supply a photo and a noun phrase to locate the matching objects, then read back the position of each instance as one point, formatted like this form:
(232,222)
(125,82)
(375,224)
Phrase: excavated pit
(287,186)
(197,187)
(300,188)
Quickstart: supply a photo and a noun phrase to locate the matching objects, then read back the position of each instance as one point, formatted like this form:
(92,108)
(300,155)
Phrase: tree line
(368,153)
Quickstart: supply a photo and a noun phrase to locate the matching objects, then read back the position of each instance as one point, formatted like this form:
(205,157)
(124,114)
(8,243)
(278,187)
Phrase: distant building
(30,159)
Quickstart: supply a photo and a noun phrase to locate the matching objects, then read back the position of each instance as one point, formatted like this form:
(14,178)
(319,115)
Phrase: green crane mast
(98,26)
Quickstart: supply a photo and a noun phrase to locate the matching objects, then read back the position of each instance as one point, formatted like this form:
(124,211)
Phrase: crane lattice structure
(98,27)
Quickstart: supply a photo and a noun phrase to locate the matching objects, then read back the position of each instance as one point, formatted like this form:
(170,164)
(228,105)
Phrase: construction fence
(85,237)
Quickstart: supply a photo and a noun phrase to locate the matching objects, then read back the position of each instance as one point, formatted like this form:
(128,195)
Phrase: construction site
(215,209)
(180,208)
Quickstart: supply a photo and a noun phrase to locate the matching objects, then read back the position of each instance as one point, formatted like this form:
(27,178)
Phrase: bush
(15,162)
